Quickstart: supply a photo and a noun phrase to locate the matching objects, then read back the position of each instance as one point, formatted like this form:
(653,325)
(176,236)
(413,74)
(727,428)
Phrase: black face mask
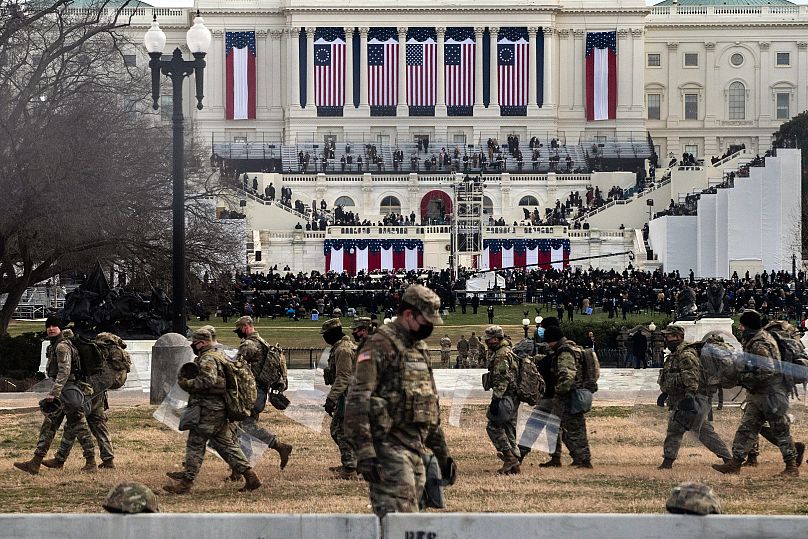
(240,333)
(195,349)
(672,345)
(423,332)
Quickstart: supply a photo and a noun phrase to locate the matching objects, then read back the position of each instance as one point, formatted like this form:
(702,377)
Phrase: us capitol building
(610,84)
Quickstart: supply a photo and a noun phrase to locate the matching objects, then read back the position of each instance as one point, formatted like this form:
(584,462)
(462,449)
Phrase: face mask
(332,337)
(240,333)
(423,332)
(748,334)
(195,349)
(672,345)
(356,337)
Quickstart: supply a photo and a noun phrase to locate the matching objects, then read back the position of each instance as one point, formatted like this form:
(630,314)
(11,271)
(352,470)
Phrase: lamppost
(198,39)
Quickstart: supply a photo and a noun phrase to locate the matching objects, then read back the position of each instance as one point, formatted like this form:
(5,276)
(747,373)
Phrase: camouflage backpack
(793,356)
(717,362)
(240,392)
(587,360)
(272,373)
(116,361)
(530,385)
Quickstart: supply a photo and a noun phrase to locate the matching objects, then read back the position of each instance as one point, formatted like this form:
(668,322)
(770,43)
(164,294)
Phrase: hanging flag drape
(382,71)
(513,55)
(549,253)
(459,57)
(329,70)
(239,52)
(601,76)
(353,256)
(422,52)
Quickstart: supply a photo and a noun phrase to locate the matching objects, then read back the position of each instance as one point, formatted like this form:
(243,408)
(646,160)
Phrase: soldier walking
(392,413)
(682,379)
(445,350)
(504,407)
(474,350)
(339,373)
(462,352)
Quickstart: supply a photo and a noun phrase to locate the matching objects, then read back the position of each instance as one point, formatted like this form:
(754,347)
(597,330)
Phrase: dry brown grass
(626,444)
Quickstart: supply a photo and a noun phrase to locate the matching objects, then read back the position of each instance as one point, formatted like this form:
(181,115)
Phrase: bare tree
(84,174)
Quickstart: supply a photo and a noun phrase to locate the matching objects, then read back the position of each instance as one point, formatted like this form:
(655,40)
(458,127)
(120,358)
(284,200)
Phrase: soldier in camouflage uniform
(474,350)
(338,374)
(253,349)
(688,398)
(392,413)
(564,376)
(502,412)
(445,350)
(62,366)
(767,398)
(462,352)
(207,390)
(360,329)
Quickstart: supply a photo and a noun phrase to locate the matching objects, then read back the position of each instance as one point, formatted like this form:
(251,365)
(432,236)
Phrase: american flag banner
(240,92)
(353,256)
(601,76)
(329,70)
(513,55)
(422,52)
(383,70)
(459,56)
(541,254)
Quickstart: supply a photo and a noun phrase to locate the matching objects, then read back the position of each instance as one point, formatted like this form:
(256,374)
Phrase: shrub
(20,355)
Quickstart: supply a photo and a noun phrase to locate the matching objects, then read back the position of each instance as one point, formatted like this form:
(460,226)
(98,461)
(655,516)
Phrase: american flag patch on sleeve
(364,356)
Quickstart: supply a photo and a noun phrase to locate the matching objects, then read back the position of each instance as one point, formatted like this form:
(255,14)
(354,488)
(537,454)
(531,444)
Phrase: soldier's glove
(494,406)
(183,383)
(330,406)
(662,399)
(371,470)
(448,471)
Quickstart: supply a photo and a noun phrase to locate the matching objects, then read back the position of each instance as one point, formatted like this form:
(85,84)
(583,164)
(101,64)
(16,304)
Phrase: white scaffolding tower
(467,222)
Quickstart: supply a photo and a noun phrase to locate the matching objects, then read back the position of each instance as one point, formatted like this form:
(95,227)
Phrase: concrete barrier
(602,526)
(184,526)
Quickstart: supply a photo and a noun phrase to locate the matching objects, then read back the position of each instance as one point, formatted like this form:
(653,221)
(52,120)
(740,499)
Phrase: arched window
(528,200)
(344,201)
(488,206)
(737,101)
(390,204)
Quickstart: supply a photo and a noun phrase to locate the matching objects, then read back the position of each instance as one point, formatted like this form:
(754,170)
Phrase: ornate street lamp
(198,40)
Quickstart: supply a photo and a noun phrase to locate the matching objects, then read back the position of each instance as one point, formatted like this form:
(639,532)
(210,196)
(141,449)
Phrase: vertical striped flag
(512,60)
(422,51)
(382,67)
(329,67)
(459,58)
(239,51)
(601,76)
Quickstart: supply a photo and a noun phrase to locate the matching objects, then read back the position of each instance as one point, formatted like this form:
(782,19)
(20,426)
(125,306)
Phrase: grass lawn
(626,446)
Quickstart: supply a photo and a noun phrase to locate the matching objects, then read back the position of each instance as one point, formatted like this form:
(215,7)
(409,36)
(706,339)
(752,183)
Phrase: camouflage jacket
(341,362)
(207,389)
(462,346)
(760,364)
(62,360)
(502,369)
(566,367)
(393,395)
(474,343)
(681,372)
(253,349)
(446,344)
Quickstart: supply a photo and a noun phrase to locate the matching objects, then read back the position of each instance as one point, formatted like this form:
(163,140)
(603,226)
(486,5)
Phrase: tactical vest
(406,384)
(577,352)
(52,367)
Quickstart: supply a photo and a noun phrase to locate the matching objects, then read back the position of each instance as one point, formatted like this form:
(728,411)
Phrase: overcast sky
(187,3)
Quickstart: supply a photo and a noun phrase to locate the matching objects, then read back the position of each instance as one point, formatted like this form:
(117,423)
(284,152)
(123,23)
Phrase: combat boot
(583,464)
(554,462)
(523,451)
(108,464)
(252,481)
(31,466)
(751,460)
(54,463)
(510,464)
(790,471)
(234,476)
(731,467)
(89,465)
(346,473)
(183,486)
(284,450)
(800,447)
(176,476)
(667,464)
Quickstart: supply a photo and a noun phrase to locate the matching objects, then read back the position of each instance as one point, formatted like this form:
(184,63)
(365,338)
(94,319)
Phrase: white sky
(189,3)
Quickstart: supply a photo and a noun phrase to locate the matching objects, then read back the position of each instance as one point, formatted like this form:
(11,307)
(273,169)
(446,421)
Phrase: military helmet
(693,499)
(189,371)
(52,408)
(494,332)
(672,329)
(131,497)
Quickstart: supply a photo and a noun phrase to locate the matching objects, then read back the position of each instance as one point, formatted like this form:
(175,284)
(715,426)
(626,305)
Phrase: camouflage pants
(445,356)
(346,452)
(767,433)
(706,433)
(403,481)
(215,427)
(75,428)
(756,413)
(463,360)
(97,421)
(573,431)
(503,434)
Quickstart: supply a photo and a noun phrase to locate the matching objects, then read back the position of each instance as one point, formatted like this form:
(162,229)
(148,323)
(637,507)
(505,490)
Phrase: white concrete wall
(673,239)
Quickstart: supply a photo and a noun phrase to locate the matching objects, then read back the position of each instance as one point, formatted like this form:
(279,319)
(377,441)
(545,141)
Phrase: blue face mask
(540,332)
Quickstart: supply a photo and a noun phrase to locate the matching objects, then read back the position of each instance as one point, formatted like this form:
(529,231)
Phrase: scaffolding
(467,223)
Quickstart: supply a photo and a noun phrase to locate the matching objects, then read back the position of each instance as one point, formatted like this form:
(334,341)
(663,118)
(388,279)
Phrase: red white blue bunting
(353,256)
(547,253)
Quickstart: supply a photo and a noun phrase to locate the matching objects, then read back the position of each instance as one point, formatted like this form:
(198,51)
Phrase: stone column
(214,85)
(675,99)
(275,67)
(494,75)
(478,67)
(401,109)
(712,101)
(440,91)
(638,64)
(349,69)
(550,66)
(624,70)
(263,67)
(294,69)
(579,69)
(310,68)
(564,77)
(169,353)
(765,93)
(532,99)
(363,69)
(801,100)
